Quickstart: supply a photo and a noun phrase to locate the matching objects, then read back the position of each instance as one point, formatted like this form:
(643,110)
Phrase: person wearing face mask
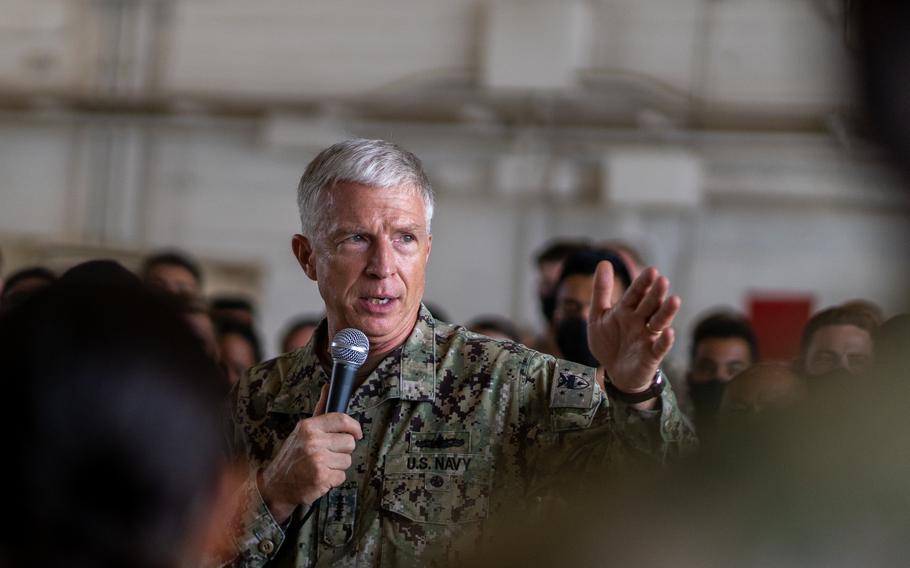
(549,262)
(723,345)
(573,293)
(837,344)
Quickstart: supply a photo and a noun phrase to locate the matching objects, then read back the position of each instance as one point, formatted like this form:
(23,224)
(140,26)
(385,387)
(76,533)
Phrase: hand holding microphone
(313,459)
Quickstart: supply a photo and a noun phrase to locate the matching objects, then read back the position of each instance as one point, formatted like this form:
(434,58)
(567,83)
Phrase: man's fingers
(603,288)
(339,423)
(639,287)
(340,461)
(663,318)
(323,400)
(653,299)
(664,343)
(344,443)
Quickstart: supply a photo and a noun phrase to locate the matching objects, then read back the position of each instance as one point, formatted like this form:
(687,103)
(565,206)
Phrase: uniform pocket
(433,506)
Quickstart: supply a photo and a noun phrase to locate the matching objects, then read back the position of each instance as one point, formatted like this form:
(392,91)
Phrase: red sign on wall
(778,321)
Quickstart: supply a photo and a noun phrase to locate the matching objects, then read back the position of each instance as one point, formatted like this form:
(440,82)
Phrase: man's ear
(303,252)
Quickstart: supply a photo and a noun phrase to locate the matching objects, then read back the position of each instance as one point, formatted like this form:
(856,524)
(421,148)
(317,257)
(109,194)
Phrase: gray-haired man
(445,426)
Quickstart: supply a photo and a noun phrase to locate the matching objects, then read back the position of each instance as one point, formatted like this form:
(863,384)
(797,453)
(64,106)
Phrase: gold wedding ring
(651,330)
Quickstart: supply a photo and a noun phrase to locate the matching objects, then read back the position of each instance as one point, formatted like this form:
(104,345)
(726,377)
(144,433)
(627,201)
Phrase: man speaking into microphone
(444,427)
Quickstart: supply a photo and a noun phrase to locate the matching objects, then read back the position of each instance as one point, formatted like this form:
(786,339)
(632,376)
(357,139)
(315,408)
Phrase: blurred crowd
(724,371)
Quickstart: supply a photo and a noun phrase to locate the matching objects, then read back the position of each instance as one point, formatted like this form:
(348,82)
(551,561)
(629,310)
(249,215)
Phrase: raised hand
(631,338)
(310,462)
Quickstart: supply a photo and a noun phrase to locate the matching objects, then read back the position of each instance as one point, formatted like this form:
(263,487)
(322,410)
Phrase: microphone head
(351,347)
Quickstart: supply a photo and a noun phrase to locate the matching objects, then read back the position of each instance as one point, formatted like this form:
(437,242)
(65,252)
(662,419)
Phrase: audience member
(837,342)
(298,333)
(117,444)
(762,387)
(496,327)
(549,266)
(173,272)
(723,345)
(235,308)
(23,283)
(239,348)
(574,292)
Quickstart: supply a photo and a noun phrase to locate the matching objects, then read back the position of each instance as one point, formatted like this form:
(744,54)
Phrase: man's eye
(408,238)
(356,239)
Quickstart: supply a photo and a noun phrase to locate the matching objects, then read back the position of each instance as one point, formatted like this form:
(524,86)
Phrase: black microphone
(350,348)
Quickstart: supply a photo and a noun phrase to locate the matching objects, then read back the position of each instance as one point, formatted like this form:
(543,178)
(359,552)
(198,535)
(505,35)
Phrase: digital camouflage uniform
(455,425)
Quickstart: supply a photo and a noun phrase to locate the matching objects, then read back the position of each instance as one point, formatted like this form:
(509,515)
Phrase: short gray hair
(375,163)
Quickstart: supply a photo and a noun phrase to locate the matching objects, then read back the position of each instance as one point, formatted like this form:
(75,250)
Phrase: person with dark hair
(23,283)
(117,442)
(574,295)
(549,261)
(723,345)
(232,307)
(239,347)
(298,333)
(837,342)
(172,271)
(496,327)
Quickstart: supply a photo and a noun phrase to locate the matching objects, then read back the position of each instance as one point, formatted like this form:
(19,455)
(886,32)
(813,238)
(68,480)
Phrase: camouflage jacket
(456,425)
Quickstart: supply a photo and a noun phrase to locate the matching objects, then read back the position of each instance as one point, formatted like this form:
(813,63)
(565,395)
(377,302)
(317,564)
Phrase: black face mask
(706,398)
(836,378)
(572,339)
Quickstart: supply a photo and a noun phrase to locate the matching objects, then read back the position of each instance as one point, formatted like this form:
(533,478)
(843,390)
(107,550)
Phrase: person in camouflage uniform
(445,427)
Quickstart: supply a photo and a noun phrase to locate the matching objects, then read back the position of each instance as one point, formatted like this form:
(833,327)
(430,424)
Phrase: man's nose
(382,259)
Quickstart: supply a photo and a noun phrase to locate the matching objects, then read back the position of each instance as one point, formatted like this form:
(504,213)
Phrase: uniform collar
(417,371)
(407,373)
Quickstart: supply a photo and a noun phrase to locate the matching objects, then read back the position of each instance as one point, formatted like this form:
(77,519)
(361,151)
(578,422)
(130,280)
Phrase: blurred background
(718,138)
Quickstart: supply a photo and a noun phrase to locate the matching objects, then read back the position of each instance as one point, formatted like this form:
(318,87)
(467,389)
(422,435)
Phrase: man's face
(837,347)
(174,279)
(369,260)
(719,359)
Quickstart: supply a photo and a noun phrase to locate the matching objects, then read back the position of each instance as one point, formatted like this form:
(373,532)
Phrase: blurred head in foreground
(821,485)
(118,445)
(761,387)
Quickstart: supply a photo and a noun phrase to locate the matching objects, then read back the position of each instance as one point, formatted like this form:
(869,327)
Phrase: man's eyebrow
(345,229)
(411,227)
